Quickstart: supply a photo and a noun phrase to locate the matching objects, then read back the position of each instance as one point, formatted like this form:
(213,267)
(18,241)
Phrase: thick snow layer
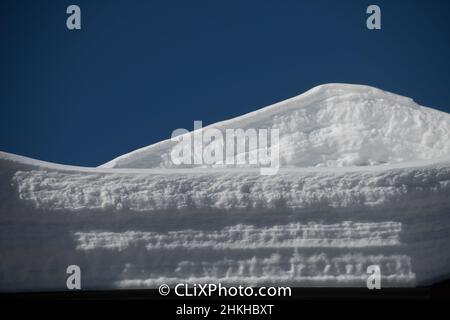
(141,228)
(331,125)
(320,221)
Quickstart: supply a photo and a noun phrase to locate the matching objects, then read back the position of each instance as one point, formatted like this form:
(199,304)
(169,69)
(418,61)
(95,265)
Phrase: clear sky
(137,70)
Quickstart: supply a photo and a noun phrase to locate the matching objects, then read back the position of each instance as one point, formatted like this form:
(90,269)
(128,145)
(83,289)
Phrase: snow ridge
(331,125)
(365,181)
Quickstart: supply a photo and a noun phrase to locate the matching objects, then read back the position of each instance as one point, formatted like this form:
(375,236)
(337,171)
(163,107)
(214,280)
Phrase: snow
(365,181)
(331,125)
(227,190)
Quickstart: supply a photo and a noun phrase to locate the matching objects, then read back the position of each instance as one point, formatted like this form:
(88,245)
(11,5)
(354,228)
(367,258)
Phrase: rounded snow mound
(330,125)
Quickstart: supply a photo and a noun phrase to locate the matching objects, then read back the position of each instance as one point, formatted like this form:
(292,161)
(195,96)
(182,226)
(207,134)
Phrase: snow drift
(365,180)
(331,125)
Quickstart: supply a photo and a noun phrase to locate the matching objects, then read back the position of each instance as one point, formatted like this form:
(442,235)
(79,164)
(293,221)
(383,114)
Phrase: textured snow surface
(229,191)
(318,222)
(331,125)
(134,228)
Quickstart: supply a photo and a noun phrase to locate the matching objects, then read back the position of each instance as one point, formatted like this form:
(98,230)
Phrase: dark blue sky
(140,69)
